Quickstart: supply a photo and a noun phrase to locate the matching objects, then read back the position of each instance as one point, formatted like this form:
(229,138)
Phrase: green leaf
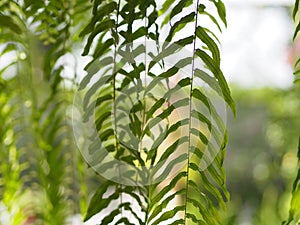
(124,221)
(209,186)
(194,219)
(6,21)
(171,49)
(180,25)
(166,6)
(219,76)
(102,26)
(155,107)
(296,31)
(176,10)
(92,68)
(95,205)
(101,13)
(296,8)
(212,46)
(179,7)
(113,214)
(155,199)
(211,81)
(165,174)
(202,210)
(160,207)
(171,149)
(201,10)
(221,10)
(168,215)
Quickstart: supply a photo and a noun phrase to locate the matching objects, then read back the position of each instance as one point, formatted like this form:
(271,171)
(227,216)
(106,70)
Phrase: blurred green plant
(260,187)
(294,213)
(43,179)
(36,38)
(37,148)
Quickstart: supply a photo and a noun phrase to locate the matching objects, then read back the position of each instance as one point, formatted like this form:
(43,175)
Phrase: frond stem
(190,115)
(114,100)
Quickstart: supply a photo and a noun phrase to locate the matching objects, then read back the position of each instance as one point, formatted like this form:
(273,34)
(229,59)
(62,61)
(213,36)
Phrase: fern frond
(42,29)
(153,120)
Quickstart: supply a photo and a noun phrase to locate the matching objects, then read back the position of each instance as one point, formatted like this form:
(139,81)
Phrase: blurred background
(257,59)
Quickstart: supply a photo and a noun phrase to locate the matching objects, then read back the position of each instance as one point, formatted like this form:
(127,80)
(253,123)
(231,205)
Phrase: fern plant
(149,113)
(40,160)
(143,118)
(10,184)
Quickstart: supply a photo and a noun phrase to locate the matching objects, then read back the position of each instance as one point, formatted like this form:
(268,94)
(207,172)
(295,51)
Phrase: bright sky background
(255,44)
(259,2)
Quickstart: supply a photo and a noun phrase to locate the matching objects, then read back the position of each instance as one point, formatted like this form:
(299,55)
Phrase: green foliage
(135,89)
(10,171)
(294,213)
(37,140)
(295,202)
(143,85)
(261,186)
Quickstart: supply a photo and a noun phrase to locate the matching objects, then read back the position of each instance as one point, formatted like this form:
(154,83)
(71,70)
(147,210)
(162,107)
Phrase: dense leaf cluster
(129,90)
(149,88)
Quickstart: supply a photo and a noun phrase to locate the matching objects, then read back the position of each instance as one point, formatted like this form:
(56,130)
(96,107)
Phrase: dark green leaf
(6,21)
(202,34)
(95,205)
(168,215)
(219,76)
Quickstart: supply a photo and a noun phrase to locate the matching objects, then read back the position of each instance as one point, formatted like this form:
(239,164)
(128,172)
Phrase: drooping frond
(35,40)
(151,109)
